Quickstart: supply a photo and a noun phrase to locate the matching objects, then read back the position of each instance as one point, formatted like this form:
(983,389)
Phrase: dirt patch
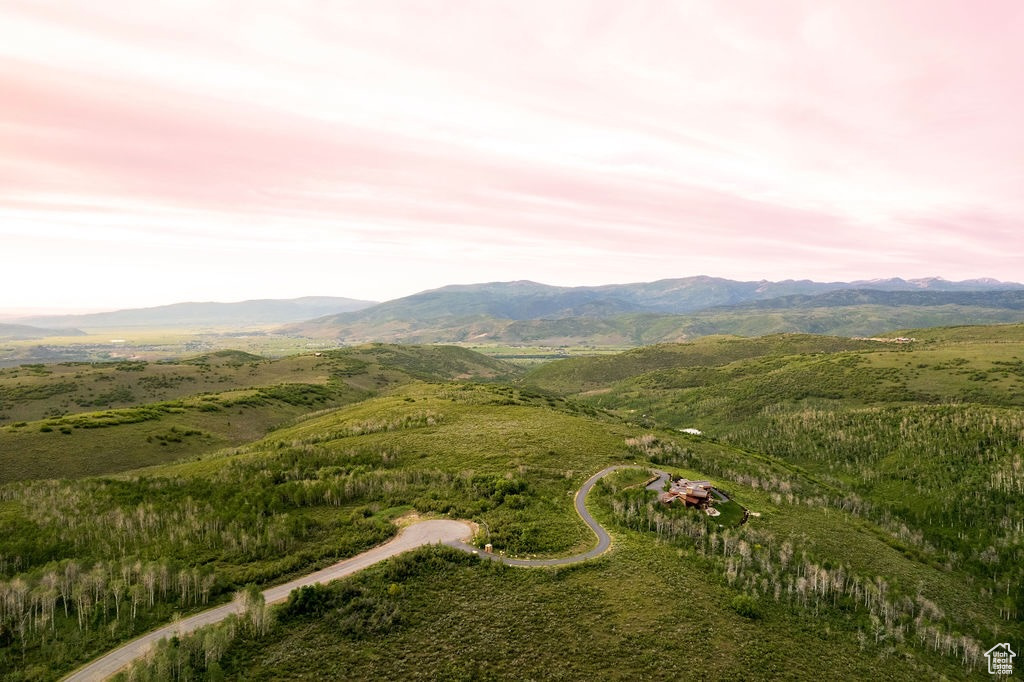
(407,519)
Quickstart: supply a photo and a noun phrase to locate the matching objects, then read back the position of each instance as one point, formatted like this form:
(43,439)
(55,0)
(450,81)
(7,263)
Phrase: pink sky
(160,152)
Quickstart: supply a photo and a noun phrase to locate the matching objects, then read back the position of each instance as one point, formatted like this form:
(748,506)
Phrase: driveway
(604,541)
(449,532)
(411,537)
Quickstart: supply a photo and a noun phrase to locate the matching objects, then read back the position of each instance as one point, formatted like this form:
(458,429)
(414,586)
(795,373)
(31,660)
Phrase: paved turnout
(444,531)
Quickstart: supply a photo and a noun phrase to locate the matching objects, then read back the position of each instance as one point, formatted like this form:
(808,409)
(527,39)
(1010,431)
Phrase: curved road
(604,541)
(444,531)
(411,537)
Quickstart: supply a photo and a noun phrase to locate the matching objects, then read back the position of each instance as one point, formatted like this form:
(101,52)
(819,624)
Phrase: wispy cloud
(375,149)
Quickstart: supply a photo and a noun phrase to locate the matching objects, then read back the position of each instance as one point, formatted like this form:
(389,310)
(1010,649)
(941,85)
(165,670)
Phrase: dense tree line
(84,564)
(352,609)
(761,566)
(953,476)
(101,594)
(197,656)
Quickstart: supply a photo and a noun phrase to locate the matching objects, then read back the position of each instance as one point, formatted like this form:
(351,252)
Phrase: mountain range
(526,312)
(668,310)
(24,332)
(207,314)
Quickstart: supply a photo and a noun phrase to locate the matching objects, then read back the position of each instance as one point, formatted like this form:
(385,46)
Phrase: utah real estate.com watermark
(1000,659)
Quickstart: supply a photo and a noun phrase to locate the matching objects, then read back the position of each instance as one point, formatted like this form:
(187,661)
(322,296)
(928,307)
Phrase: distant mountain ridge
(1011,299)
(241,313)
(24,332)
(530,311)
(635,313)
(524,300)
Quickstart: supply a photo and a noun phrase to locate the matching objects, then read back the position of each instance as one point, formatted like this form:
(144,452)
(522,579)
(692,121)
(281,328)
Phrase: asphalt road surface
(448,532)
(604,541)
(411,537)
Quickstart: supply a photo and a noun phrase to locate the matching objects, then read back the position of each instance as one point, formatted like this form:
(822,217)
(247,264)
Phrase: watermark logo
(1000,659)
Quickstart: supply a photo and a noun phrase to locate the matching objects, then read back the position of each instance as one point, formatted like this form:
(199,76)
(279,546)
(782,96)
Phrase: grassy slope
(615,617)
(642,613)
(712,379)
(158,412)
(32,392)
(577,375)
(651,328)
(925,438)
(510,459)
(627,597)
(620,617)
(472,431)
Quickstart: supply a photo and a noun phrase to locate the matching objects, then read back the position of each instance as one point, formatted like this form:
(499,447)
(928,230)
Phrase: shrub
(746,605)
(311,600)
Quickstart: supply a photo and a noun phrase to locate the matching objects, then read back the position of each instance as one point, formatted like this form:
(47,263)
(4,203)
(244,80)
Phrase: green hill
(924,437)
(638,329)
(883,482)
(746,376)
(510,460)
(575,375)
(76,419)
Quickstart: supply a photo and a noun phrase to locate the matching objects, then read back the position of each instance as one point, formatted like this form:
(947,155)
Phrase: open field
(151,344)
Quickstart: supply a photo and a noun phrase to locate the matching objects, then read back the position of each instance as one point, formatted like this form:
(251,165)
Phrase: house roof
(697,487)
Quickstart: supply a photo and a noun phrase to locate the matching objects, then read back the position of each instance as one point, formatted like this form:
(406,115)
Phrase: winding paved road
(411,537)
(604,541)
(449,532)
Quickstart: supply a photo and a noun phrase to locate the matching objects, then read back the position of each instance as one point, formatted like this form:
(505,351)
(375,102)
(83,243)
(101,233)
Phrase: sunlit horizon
(171,152)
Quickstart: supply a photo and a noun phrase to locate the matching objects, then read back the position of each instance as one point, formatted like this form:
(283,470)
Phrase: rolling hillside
(578,375)
(923,436)
(882,478)
(77,419)
(509,459)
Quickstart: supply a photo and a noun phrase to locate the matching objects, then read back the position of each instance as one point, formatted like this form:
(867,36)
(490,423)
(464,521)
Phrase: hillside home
(691,493)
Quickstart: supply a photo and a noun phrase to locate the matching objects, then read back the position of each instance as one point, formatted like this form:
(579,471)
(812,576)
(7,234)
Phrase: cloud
(622,141)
